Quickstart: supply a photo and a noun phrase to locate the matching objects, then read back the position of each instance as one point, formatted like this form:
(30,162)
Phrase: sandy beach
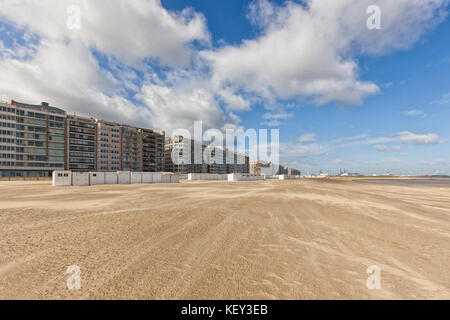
(298,239)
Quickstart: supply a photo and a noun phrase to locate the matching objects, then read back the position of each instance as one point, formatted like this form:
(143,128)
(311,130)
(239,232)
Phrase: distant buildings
(344,173)
(288,171)
(195,157)
(266,168)
(187,151)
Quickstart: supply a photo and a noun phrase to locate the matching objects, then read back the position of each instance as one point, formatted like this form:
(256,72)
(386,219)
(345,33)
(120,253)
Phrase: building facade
(131,149)
(7,139)
(199,158)
(32,140)
(109,144)
(152,150)
(190,154)
(81,153)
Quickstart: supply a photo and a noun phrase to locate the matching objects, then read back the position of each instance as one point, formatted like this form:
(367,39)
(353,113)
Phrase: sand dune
(299,239)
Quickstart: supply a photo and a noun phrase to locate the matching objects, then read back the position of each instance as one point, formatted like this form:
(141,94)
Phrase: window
(56,131)
(54,138)
(37,122)
(56,145)
(56,152)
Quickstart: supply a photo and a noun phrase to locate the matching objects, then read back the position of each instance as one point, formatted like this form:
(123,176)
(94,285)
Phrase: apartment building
(32,139)
(217,160)
(81,144)
(262,167)
(7,139)
(190,150)
(232,162)
(152,150)
(109,144)
(241,163)
(131,148)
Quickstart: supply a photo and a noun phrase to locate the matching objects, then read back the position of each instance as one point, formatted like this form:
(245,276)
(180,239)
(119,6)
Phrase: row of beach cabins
(72,178)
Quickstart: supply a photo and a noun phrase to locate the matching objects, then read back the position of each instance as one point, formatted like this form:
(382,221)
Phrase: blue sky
(343,96)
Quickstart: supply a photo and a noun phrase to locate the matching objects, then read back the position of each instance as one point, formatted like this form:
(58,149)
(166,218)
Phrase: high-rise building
(241,163)
(267,168)
(217,160)
(189,154)
(33,137)
(152,150)
(109,143)
(199,158)
(80,144)
(131,149)
(7,140)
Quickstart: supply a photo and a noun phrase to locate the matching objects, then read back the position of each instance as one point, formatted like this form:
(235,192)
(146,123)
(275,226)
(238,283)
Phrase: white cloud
(437,162)
(405,137)
(380,147)
(62,68)
(128,30)
(308,138)
(413,113)
(351,138)
(67,75)
(234,101)
(444,100)
(304,51)
(308,50)
(412,138)
(290,150)
(384,148)
(369,141)
(275,118)
(173,108)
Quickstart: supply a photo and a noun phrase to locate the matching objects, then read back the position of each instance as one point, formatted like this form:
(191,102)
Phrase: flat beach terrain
(296,239)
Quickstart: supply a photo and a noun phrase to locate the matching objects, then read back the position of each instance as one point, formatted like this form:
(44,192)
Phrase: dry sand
(299,239)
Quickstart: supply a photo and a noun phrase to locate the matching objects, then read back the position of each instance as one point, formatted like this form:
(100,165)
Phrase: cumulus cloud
(94,71)
(412,138)
(129,30)
(174,108)
(234,101)
(68,76)
(136,62)
(308,138)
(308,50)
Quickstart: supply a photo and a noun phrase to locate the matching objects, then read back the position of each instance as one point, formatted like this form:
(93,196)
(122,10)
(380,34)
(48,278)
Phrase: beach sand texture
(296,239)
